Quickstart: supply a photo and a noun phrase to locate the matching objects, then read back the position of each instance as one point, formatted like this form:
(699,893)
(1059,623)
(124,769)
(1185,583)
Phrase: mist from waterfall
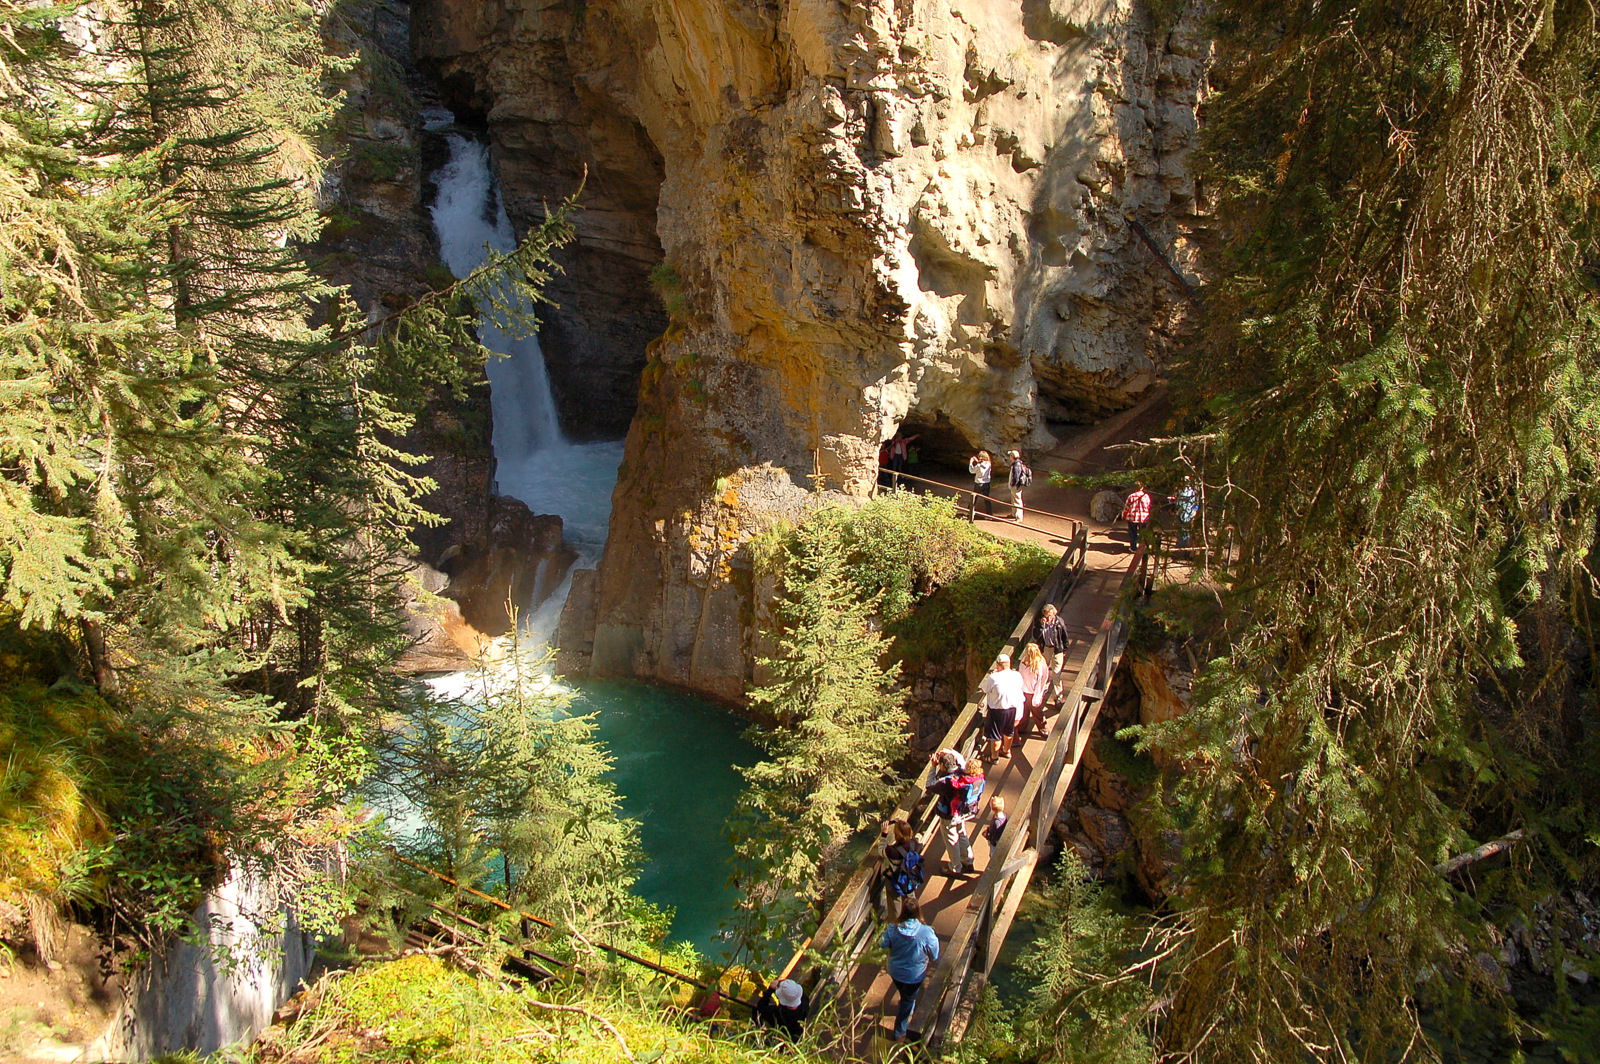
(533,461)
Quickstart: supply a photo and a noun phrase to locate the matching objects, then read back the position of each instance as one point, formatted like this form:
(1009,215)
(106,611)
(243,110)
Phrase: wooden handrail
(615,951)
(972,507)
(854,903)
(1010,865)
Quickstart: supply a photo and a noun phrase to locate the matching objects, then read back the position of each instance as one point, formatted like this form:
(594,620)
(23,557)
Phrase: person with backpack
(904,870)
(912,947)
(1021,476)
(958,795)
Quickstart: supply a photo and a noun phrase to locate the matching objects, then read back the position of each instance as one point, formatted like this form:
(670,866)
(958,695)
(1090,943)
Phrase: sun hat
(789,994)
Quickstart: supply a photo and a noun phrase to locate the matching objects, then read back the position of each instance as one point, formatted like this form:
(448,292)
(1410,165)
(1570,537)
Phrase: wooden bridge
(973,916)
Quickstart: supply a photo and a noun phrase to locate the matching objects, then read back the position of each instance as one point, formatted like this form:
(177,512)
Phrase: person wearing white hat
(783,1005)
(1004,699)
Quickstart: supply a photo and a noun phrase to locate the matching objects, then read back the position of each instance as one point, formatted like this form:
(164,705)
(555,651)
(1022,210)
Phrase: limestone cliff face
(873,214)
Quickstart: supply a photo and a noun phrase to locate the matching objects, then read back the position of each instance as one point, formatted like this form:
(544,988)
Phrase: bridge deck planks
(944,898)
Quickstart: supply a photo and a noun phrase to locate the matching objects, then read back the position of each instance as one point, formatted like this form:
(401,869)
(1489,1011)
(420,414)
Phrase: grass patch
(418,1008)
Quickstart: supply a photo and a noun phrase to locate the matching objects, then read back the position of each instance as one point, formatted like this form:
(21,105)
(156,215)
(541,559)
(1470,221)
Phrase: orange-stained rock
(872,213)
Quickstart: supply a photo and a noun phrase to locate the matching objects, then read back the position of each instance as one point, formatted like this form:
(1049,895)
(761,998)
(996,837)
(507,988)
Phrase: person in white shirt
(1003,698)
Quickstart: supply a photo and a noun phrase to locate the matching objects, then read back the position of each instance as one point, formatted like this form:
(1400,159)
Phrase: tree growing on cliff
(1400,377)
(837,726)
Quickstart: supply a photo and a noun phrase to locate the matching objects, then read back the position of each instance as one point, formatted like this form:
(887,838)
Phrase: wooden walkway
(946,899)
(972,914)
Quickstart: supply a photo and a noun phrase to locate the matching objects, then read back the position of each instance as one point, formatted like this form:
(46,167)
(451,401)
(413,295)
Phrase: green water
(676,770)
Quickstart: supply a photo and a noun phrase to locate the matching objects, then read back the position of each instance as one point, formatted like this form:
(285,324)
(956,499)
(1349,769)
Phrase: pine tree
(513,794)
(1399,382)
(837,724)
(203,505)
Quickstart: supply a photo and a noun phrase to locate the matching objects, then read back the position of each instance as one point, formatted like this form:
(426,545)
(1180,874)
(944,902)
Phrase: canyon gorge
(806,224)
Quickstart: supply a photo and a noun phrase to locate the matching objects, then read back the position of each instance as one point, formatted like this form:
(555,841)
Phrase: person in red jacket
(1136,511)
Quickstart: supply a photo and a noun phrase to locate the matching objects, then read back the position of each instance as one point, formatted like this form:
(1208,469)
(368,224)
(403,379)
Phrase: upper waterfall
(533,461)
(470,220)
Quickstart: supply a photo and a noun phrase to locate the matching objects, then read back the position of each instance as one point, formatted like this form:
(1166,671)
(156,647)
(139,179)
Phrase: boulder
(1106,506)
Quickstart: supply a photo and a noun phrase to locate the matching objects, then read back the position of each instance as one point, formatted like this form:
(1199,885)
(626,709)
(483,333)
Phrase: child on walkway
(997,823)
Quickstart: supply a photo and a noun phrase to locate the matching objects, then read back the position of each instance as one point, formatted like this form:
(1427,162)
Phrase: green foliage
(907,546)
(135,808)
(669,288)
(1399,376)
(975,610)
(941,584)
(838,720)
(513,794)
(1093,1001)
(420,1009)
(902,566)
(202,505)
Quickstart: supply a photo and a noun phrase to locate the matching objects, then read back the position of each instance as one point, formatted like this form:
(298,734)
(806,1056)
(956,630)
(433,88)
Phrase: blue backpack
(908,879)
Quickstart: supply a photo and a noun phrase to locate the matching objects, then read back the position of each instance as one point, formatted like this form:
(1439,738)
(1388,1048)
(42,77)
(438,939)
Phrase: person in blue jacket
(912,946)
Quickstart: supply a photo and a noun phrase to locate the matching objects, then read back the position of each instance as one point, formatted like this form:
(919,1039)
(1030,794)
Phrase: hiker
(1021,476)
(900,451)
(1035,672)
(1051,634)
(1002,697)
(904,870)
(783,1005)
(1136,511)
(1187,503)
(912,946)
(997,823)
(958,795)
(982,470)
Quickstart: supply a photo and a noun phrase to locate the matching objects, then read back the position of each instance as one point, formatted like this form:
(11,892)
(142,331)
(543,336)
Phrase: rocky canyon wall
(870,215)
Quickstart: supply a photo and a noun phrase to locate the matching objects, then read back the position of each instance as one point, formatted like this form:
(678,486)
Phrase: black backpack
(1023,476)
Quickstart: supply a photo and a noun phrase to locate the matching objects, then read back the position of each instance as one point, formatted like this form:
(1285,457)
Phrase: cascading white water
(534,462)
(649,732)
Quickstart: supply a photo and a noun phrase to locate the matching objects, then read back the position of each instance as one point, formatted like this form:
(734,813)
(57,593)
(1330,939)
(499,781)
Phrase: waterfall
(533,461)
(469,220)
